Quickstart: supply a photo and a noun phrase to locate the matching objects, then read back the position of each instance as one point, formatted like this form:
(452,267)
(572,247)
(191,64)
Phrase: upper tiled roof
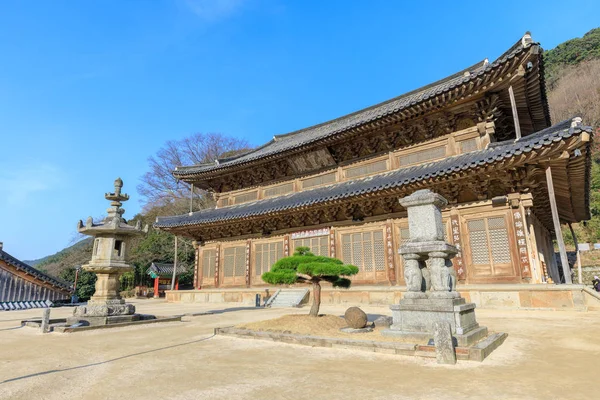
(297,139)
(10,260)
(493,154)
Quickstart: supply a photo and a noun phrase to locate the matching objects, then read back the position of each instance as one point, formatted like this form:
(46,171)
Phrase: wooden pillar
(248,273)
(332,243)
(555,219)
(457,260)
(579,272)
(156,296)
(513,104)
(198,271)
(217,264)
(389,253)
(286,245)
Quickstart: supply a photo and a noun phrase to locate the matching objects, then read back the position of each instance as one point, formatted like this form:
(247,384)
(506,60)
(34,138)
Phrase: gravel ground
(547,355)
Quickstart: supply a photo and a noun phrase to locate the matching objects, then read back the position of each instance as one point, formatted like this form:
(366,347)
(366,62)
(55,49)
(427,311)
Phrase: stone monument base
(414,320)
(104,312)
(108,320)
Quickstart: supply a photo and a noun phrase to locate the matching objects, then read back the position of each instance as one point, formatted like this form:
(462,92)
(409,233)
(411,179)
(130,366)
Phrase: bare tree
(577,93)
(162,192)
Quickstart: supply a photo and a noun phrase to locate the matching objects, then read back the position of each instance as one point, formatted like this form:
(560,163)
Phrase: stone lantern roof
(114,223)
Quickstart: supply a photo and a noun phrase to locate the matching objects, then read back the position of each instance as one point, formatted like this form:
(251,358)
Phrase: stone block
(381,297)
(499,299)
(384,322)
(525,299)
(444,346)
(552,299)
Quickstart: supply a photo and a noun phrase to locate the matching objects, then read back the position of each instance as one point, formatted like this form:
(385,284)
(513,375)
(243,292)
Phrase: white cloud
(19,185)
(213,10)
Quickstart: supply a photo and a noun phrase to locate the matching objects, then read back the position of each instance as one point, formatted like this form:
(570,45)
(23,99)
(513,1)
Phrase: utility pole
(174,266)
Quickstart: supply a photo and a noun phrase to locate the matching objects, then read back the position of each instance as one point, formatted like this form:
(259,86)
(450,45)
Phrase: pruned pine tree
(305,267)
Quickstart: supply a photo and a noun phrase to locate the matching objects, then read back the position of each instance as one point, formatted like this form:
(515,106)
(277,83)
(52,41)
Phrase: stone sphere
(355,318)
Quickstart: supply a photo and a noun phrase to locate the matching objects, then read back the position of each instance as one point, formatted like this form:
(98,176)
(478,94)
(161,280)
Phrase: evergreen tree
(305,267)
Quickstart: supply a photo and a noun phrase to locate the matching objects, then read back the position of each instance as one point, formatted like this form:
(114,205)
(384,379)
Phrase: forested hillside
(573,85)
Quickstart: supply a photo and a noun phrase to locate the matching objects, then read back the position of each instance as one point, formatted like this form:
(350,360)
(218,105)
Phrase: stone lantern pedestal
(111,238)
(431,295)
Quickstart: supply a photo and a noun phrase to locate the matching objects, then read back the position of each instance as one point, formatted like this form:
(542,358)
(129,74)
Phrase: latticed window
(319,180)
(366,250)
(366,169)
(265,255)
(243,198)
(468,145)
(422,156)
(318,245)
(490,246)
(224,202)
(279,190)
(234,261)
(208,263)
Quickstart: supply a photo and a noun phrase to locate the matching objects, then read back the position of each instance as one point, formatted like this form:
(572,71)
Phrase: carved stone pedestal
(414,320)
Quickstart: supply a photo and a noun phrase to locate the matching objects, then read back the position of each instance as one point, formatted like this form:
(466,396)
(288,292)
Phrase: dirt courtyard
(547,355)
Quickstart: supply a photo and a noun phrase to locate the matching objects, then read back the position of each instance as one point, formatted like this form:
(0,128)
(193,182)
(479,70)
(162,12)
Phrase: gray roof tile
(494,153)
(315,133)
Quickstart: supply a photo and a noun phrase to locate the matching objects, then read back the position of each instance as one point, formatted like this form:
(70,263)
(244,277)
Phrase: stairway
(287,298)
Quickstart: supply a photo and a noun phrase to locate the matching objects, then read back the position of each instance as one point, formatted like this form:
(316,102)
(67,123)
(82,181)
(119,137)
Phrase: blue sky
(90,89)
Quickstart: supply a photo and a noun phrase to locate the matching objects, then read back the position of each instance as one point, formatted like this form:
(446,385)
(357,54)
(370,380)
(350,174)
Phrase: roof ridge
(279,142)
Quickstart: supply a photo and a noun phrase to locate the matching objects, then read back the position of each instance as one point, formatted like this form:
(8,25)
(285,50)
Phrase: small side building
(22,282)
(162,275)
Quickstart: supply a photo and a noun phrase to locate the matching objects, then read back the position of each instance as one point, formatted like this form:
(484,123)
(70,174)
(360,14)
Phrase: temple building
(482,138)
(21,282)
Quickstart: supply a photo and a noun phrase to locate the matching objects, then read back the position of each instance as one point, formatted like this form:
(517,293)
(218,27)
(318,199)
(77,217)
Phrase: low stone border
(67,329)
(478,352)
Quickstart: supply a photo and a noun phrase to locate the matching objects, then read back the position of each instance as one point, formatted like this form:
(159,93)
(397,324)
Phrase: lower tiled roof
(495,153)
(10,260)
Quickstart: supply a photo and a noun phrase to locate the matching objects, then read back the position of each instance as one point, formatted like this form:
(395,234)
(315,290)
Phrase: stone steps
(288,298)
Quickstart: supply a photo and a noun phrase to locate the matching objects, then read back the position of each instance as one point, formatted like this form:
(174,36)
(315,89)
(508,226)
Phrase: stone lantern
(111,237)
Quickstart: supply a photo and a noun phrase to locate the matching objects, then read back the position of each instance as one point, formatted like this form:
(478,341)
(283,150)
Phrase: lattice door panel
(265,255)
(234,265)
(490,247)
(366,250)
(208,267)
(318,245)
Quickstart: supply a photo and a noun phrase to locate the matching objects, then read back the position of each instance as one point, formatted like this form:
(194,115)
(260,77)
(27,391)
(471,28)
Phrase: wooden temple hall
(482,138)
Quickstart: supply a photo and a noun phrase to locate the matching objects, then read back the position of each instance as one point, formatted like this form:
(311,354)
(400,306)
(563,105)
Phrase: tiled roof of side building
(493,154)
(10,260)
(165,269)
(315,133)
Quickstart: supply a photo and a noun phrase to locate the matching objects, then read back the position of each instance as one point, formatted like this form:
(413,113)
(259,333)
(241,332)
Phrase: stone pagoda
(111,237)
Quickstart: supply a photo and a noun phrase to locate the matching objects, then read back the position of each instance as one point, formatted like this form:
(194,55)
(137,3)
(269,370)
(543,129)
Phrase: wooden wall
(497,243)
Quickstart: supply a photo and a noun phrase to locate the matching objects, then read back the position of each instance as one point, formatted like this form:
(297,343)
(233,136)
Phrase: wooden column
(579,272)
(457,260)
(198,270)
(248,251)
(389,253)
(286,245)
(156,295)
(513,104)
(555,219)
(217,264)
(332,243)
